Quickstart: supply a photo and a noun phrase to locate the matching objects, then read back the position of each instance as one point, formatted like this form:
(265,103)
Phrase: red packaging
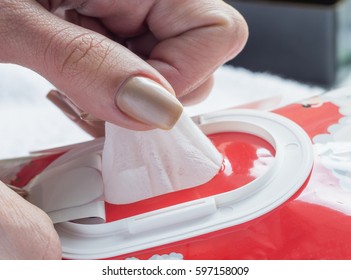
(312,222)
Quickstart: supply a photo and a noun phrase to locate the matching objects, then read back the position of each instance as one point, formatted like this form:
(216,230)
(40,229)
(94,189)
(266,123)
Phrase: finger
(194,41)
(100,76)
(53,5)
(95,127)
(142,44)
(190,38)
(199,94)
(26,231)
(20,191)
(86,22)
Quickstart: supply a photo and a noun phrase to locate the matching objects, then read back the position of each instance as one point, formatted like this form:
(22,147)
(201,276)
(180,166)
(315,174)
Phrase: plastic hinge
(172,215)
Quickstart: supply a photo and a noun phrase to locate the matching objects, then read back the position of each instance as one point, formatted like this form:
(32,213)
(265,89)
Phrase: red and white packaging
(284,192)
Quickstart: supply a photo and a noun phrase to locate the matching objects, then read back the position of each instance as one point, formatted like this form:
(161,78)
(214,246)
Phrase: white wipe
(141,164)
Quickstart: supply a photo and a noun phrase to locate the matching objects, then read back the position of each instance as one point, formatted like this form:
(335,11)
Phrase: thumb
(100,76)
(26,231)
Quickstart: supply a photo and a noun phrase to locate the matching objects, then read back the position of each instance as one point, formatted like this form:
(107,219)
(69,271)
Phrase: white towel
(29,122)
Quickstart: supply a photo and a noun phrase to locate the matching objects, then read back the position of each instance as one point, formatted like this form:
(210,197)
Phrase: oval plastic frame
(285,176)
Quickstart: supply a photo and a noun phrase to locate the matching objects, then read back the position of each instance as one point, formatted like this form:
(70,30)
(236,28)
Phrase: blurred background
(296,49)
(304,40)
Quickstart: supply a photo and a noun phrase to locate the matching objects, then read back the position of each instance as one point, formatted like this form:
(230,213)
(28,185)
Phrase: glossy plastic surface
(258,154)
(313,224)
(316,222)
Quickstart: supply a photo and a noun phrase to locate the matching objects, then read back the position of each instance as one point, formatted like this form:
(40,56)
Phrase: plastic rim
(293,153)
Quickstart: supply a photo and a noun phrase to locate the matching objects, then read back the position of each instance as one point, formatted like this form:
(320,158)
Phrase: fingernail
(20,191)
(85,116)
(56,98)
(148,102)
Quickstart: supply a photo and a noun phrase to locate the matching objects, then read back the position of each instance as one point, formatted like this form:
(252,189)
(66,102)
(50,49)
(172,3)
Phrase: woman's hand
(176,43)
(117,60)
(26,231)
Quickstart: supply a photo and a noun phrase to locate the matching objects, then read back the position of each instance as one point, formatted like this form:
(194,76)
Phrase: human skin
(26,231)
(88,50)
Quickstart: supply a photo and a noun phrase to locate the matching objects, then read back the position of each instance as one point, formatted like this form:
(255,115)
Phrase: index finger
(193,38)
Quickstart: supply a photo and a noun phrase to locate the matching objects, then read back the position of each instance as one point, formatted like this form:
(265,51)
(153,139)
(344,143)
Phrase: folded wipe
(141,164)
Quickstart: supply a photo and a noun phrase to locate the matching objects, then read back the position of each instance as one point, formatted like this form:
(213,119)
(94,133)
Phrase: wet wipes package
(283,191)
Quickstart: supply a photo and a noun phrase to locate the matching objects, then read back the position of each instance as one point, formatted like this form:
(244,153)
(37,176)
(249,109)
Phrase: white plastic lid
(289,170)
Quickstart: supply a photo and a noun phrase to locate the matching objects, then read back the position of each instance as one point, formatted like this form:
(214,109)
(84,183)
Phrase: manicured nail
(56,98)
(20,191)
(85,116)
(148,102)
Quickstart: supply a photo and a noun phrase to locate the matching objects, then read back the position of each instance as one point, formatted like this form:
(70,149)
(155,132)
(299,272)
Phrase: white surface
(29,122)
(70,191)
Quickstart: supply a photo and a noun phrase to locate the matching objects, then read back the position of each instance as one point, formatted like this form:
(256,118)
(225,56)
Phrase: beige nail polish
(148,102)
(56,98)
(22,192)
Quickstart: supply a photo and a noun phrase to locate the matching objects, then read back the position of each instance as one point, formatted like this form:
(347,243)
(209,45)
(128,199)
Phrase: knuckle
(45,238)
(13,17)
(80,51)
(230,30)
(236,29)
(82,55)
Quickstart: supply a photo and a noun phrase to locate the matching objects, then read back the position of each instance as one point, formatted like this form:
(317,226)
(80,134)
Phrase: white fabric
(29,122)
(140,164)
